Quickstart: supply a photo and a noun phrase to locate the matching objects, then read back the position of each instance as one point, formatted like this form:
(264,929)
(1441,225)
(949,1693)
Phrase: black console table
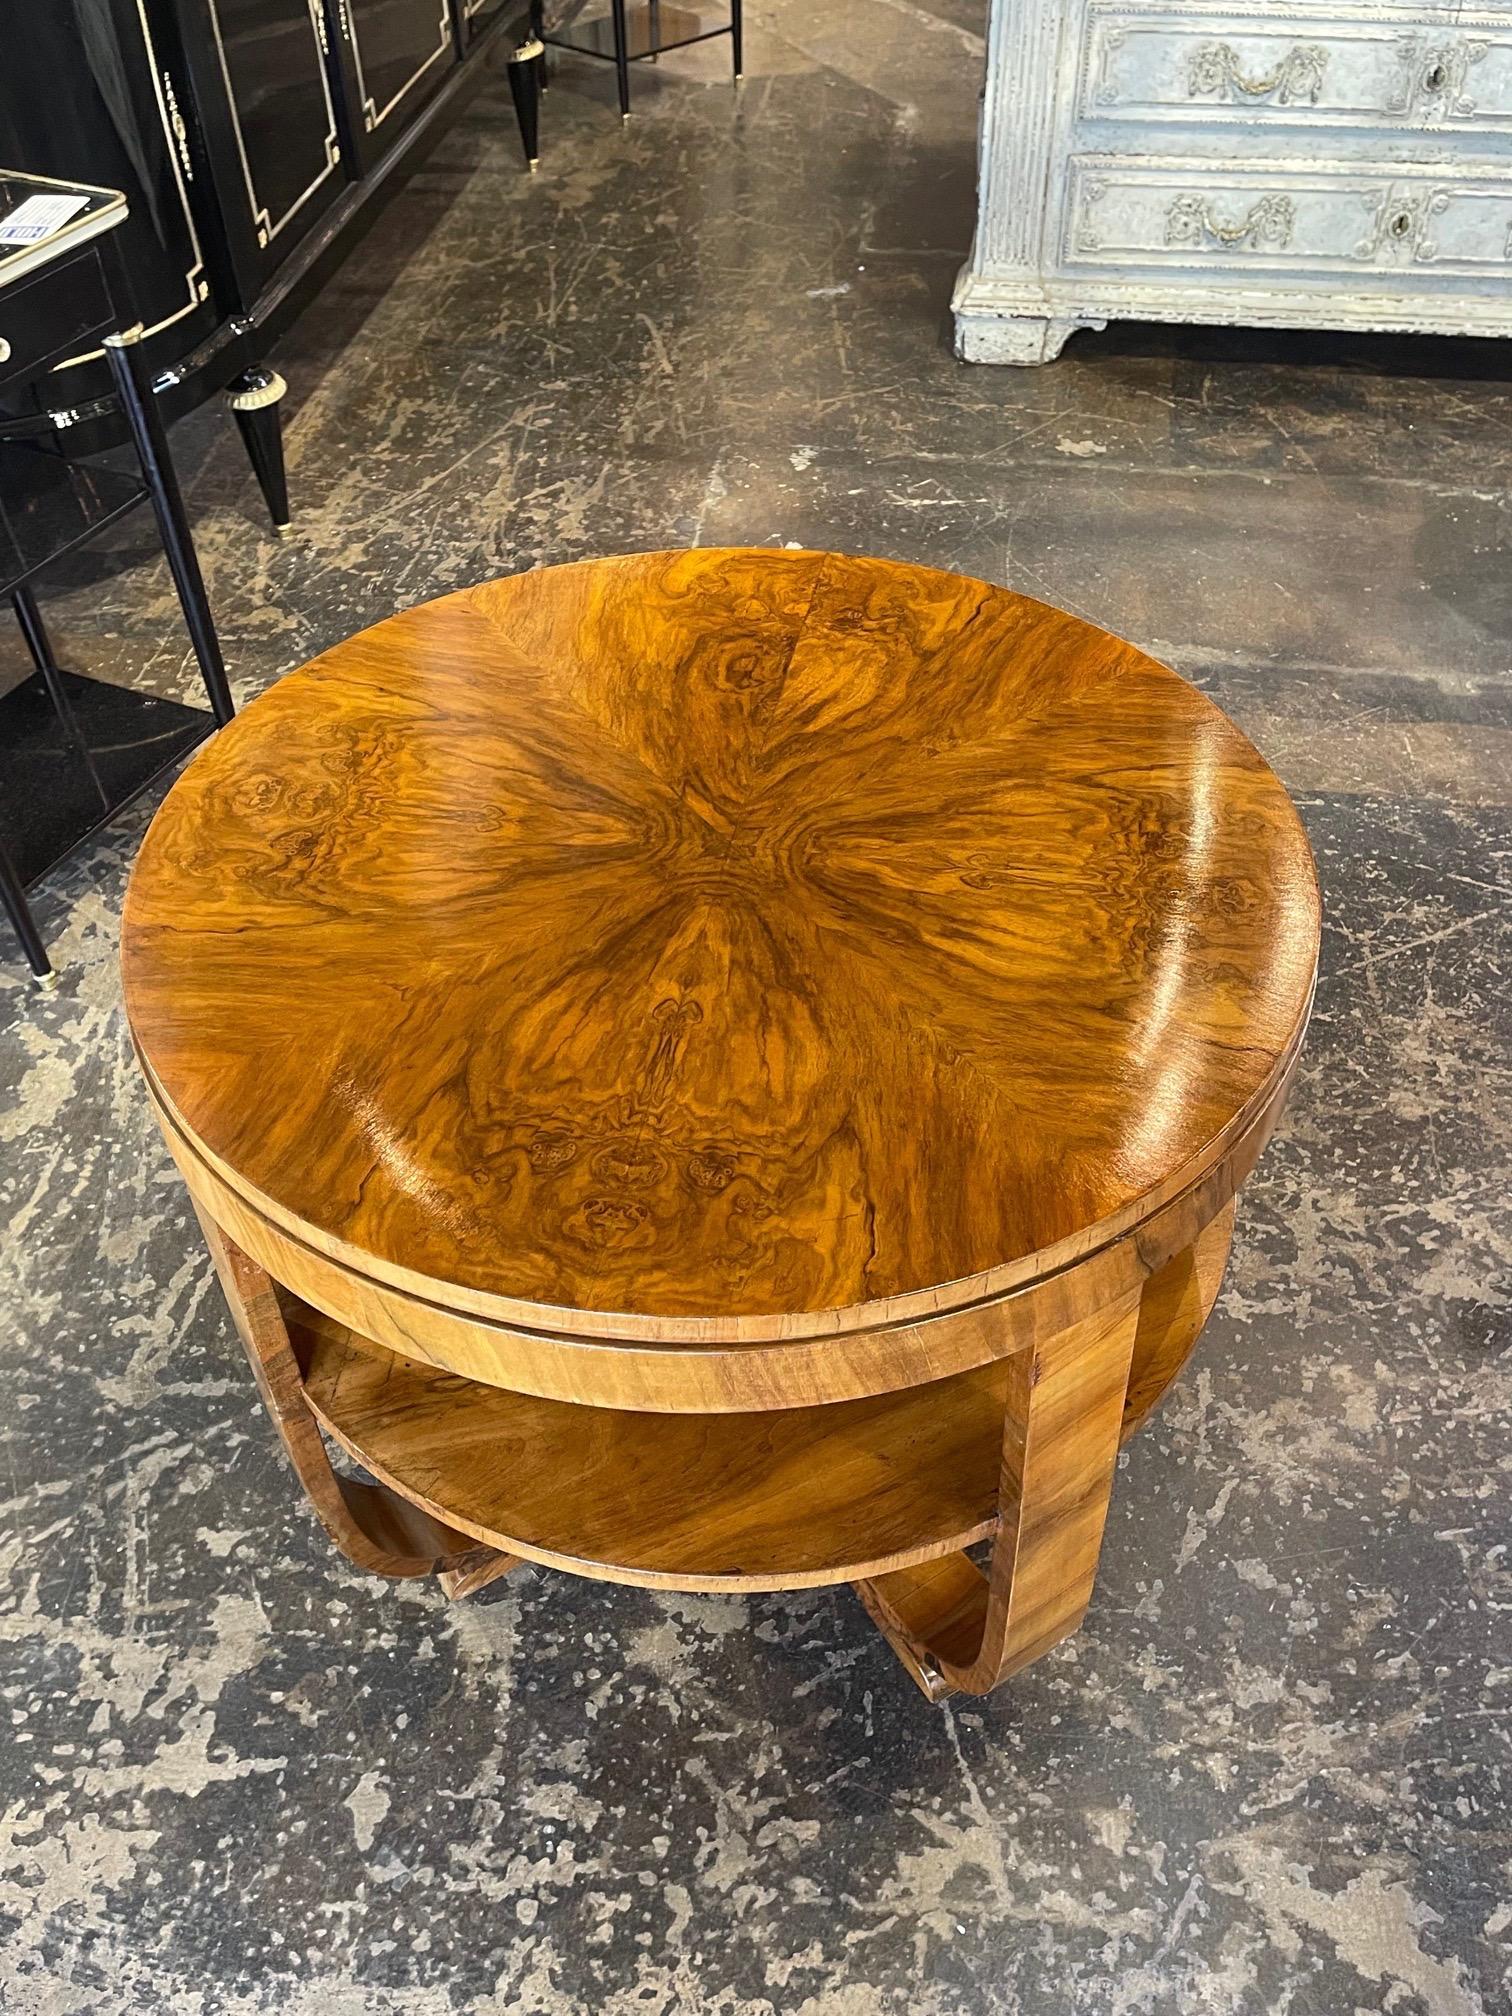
(633,31)
(250,137)
(73,751)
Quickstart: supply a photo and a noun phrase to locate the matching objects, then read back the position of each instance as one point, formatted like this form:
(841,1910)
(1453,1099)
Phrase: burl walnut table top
(720,944)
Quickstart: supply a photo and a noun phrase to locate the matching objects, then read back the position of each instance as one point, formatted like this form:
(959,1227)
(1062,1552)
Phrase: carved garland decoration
(1216,69)
(1266,226)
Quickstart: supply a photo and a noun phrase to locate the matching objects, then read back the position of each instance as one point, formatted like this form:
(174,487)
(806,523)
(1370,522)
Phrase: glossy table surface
(727,943)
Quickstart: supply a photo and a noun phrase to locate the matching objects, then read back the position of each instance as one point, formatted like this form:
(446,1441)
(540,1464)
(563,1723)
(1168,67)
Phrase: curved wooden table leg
(1071,1406)
(482,1566)
(1176,1303)
(958,1630)
(373,1527)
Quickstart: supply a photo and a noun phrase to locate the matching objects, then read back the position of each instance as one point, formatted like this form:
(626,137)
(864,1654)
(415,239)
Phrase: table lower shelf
(783,1500)
(51,505)
(887,1493)
(63,778)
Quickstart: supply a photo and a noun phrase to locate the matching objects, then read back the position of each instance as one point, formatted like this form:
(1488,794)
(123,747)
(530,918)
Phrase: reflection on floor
(1265,1777)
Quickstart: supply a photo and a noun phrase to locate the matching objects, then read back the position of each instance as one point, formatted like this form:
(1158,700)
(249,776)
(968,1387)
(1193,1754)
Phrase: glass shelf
(651,29)
(64,776)
(48,506)
(65,771)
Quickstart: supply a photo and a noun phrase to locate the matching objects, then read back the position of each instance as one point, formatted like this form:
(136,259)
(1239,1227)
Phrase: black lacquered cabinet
(477,14)
(248,136)
(95,91)
(397,53)
(266,95)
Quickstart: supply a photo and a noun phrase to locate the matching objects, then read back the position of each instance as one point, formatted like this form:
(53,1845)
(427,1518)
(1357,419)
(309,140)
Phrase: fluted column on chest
(1015,162)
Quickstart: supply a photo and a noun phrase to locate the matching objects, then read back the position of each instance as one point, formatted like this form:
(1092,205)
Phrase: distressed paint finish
(1270,1773)
(1313,166)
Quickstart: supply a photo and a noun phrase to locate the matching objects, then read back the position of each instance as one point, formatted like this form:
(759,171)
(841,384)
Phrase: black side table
(74,751)
(633,31)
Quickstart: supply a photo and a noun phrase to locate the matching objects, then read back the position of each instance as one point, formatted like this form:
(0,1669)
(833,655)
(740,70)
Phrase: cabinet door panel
(95,91)
(476,15)
(273,65)
(401,50)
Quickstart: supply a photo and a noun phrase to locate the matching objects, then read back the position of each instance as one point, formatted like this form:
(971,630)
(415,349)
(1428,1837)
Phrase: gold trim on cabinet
(372,118)
(262,222)
(199,287)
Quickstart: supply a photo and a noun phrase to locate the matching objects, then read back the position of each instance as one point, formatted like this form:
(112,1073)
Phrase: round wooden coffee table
(725,1070)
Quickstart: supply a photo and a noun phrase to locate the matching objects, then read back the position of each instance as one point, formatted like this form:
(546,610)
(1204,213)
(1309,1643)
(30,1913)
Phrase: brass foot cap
(533,163)
(267,393)
(282,531)
(46,983)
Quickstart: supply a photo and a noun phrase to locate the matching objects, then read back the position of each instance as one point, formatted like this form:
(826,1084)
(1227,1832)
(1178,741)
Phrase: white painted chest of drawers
(1328,167)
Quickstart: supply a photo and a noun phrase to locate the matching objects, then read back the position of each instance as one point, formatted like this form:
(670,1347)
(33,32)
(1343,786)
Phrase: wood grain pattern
(739,1064)
(475,1572)
(790,1499)
(718,948)
(957,1629)
(840,1364)
(885,1491)
(374,1527)
(1177,1300)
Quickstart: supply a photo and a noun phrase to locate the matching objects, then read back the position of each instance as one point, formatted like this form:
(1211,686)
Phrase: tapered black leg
(525,66)
(253,399)
(622,56)
(13,897)
(150,438)
(39,644)
(736,39)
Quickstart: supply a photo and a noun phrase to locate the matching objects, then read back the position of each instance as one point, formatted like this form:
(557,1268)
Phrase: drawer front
(1200,215)
(1186,67)
(60,312)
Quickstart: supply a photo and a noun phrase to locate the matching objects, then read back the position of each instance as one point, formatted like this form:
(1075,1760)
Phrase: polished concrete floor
(1270,1775)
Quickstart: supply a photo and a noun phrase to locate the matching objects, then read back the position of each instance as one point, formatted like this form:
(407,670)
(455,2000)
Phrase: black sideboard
(250,137)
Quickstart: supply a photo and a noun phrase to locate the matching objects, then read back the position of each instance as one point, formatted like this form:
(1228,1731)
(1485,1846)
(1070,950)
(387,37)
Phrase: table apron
(718,1379)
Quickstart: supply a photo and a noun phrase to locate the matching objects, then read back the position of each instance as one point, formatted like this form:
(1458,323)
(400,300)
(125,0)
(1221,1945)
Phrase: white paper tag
(38,217)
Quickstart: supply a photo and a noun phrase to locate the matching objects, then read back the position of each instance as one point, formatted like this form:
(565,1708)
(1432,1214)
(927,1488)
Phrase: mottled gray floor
(1270,1774)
